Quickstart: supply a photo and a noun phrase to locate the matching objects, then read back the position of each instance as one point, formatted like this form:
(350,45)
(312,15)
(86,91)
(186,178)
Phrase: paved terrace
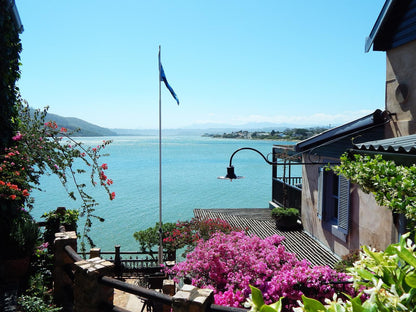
(259,222)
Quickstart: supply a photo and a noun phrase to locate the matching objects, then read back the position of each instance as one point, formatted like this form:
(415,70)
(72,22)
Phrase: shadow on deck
(259,222)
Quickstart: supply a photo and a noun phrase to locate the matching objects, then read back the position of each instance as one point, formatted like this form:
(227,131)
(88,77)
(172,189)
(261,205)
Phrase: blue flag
(162,77)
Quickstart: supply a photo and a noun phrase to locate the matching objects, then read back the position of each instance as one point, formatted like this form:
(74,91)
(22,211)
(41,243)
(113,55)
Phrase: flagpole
(160,255)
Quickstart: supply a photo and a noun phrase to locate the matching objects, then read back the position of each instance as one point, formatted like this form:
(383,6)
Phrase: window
(333,202)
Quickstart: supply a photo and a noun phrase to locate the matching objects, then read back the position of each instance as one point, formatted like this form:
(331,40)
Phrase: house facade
(334,211)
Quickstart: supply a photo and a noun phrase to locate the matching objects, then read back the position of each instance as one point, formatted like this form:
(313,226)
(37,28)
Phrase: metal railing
(134,263)
(287,192)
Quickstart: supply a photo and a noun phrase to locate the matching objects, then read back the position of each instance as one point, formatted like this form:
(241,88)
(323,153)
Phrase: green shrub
(280,212)
(149,238)
(35,304)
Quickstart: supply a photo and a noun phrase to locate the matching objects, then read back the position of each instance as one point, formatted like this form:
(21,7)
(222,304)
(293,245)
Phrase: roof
(400,149)
(259,222)
(395,26)
(405,144)
(15,15)
(356,127)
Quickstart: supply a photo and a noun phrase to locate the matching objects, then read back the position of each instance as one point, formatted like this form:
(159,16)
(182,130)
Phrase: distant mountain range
(86,128)
(89,129)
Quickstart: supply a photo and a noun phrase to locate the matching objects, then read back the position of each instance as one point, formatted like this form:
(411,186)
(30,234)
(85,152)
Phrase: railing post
(95,253)
(118,271)
(168,289)
(62,290)
(192,299)
(89,294)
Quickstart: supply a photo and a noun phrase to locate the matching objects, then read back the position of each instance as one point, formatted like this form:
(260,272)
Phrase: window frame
(340,225)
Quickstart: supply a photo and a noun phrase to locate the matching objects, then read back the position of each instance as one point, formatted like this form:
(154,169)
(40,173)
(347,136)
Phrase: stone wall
(401,89)
(370,225)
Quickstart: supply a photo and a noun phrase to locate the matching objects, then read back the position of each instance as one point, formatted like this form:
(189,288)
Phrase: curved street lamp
(230,169)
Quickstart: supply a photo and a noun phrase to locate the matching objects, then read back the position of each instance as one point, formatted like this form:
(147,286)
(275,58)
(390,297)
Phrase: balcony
(287,192)
(286,189)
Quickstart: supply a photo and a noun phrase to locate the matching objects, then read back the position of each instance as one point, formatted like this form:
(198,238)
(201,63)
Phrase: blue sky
(230,62)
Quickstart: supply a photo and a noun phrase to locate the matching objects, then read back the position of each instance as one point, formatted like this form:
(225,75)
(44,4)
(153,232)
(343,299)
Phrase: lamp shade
(230,174)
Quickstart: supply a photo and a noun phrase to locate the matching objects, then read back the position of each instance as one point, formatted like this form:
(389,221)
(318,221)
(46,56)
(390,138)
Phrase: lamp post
(230,169)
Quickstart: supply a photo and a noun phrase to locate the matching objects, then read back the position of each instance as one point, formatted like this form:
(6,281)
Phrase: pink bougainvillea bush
(229,263)
(188,233)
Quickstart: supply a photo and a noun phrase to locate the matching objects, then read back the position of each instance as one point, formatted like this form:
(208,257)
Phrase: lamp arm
(251,149)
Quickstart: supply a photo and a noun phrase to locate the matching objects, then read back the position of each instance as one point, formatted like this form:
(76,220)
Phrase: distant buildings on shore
(291,134)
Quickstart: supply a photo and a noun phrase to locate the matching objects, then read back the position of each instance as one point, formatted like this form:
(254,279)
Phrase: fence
(132,263)
(88,286)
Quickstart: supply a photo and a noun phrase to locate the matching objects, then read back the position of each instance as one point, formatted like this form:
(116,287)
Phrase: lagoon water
(190,167)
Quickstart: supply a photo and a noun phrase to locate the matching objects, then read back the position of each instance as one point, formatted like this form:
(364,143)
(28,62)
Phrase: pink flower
(229,263)
(17,137)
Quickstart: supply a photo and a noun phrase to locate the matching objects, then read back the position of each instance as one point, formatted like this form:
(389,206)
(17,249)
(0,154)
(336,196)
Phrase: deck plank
(258,221)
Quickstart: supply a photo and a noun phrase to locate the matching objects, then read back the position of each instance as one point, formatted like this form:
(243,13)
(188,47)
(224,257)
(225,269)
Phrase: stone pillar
(192,299)
(89,294)
(95,253)
(62,290)
(168,289)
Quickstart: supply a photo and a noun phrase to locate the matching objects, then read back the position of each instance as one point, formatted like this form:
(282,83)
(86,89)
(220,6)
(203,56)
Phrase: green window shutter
(344,204)
(321,192)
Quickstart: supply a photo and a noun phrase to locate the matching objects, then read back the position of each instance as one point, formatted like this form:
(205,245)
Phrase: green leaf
(312,305)
(377,257)
(364,274)
(257,297)
(410,279)
(406,255)
(357,305)
(277,306)
(267,308)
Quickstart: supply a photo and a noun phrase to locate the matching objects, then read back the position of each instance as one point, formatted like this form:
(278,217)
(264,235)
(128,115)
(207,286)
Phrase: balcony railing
(287,192)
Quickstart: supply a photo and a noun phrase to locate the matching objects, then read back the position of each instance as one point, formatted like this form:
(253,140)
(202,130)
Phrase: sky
(230,62)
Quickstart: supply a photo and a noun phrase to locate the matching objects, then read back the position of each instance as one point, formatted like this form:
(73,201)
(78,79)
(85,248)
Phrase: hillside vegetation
(86,128)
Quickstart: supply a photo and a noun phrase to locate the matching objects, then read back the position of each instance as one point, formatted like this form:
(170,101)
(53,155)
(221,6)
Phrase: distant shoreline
(294,134)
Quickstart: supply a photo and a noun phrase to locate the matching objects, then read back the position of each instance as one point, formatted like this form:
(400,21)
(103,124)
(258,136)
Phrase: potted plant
(286,218)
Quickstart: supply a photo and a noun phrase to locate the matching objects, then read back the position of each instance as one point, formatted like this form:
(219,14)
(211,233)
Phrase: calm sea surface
(190,167)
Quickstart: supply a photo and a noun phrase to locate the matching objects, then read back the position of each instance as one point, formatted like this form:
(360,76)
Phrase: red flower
(12,196)
(64,129)
(103,176)
(113,195)
(25,193)
(104,166)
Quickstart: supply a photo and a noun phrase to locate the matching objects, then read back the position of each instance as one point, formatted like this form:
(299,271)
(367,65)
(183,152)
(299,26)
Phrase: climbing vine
(392,185)
(9,72)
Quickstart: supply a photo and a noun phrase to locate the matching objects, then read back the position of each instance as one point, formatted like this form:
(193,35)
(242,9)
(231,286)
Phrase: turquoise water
(190,167)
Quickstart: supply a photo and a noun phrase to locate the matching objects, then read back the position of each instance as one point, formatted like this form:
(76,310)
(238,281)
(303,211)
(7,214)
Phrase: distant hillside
(87,129)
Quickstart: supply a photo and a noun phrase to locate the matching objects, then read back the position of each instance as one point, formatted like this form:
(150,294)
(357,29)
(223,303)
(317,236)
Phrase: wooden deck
(259,222)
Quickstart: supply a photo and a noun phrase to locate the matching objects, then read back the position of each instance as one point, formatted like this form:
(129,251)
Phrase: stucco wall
(371,225)
(401,69)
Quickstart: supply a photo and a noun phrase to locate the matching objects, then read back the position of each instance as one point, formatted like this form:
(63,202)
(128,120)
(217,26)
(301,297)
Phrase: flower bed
(229,263)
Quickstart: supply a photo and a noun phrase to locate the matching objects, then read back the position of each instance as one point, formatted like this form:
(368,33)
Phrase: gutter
(398,158)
